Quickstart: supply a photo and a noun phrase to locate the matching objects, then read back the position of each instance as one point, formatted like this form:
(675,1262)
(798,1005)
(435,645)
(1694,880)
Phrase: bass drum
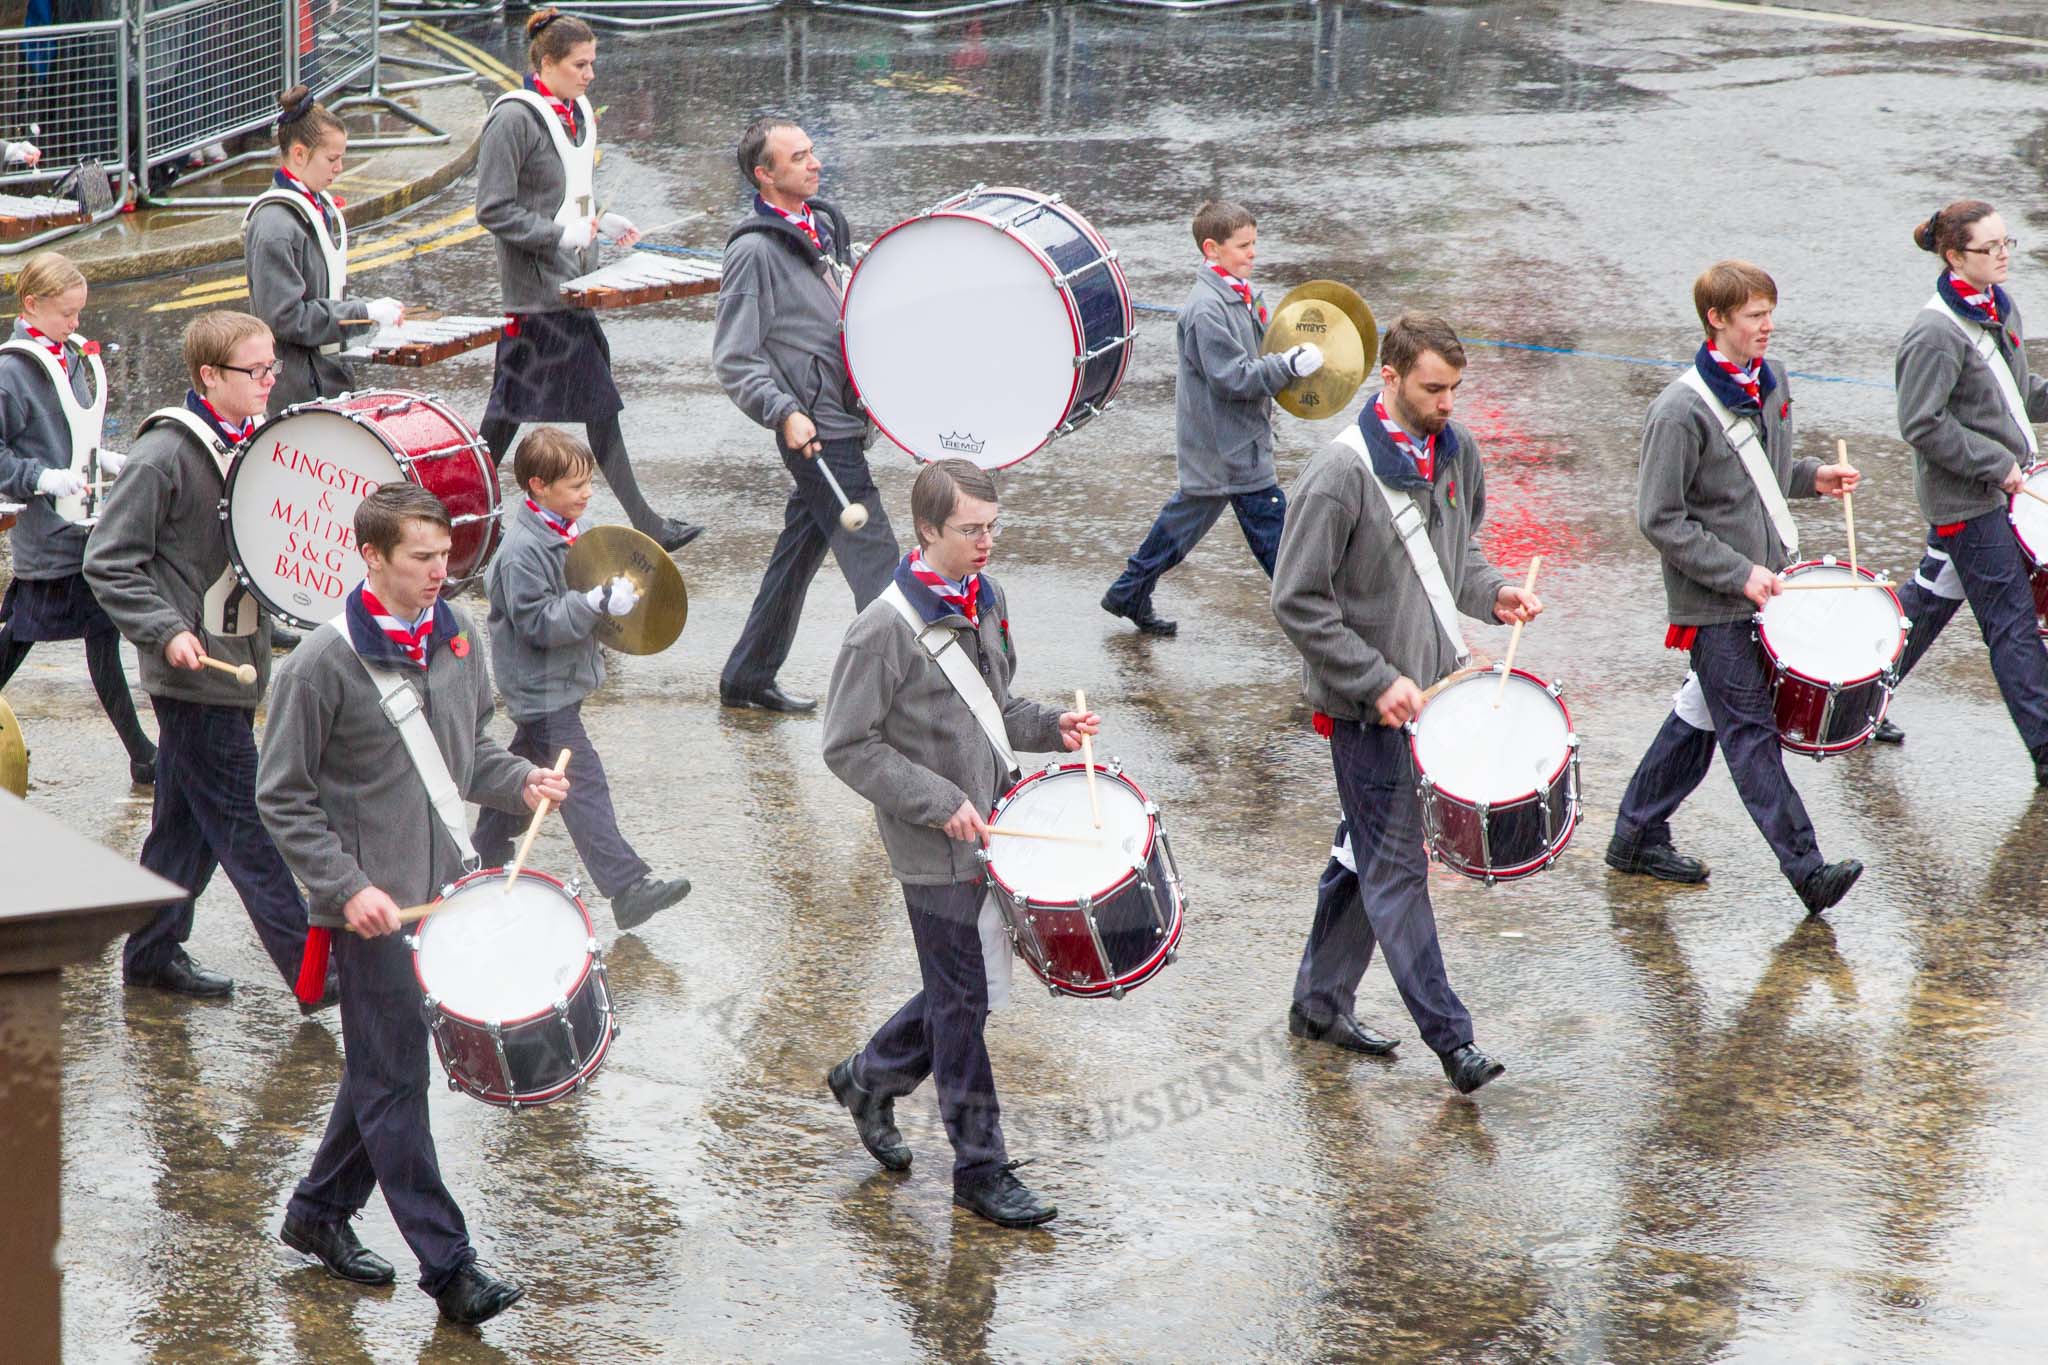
(955,343)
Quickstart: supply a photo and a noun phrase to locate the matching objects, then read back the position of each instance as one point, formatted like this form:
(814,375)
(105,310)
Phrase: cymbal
(603,553)
(1336,319)
(13,753)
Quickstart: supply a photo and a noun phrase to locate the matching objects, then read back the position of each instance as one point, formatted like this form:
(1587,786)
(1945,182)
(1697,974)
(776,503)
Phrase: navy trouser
(1992,569)
(1736,683)
(1386,901)
(377,1134)
(938,1032)
(205,817)
(1180,527)
(593,824)
(810,526)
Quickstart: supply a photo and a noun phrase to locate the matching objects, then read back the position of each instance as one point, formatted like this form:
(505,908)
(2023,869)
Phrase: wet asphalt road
(1725,1134)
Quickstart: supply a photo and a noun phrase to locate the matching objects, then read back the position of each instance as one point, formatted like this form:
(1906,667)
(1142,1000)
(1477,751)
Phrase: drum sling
(1987,350)
(1755,461)
(1413,529)
(228,610)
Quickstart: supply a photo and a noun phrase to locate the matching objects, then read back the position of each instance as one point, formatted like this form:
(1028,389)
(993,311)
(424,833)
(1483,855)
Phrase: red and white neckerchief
(50,344)
(322,202)
(1425,457)
(565,529)
(1749,379)
(235,432)
(803,221)
(410,638)
(1243,290)
(1975,297)
(565,112)
(967,603)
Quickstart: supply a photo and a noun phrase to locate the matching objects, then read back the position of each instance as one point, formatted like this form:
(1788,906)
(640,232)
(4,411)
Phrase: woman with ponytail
(535,196)
(296,242)
(1967,405)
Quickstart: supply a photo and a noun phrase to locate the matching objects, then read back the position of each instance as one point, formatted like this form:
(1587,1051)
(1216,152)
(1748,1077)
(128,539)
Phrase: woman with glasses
(1967,405)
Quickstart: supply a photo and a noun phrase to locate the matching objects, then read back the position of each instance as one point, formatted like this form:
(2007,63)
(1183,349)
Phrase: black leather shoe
(334,1245)
(1827,886)
(769,698)
(1468,1068)
(1888,733)
(1005,1200)
(283,638)
(638,903)
(1342,1031)
(182,976)
(1661,861)
(676,534)
(475,1295)
(1148,621)
(141,773)
(329,997)
(874,1118)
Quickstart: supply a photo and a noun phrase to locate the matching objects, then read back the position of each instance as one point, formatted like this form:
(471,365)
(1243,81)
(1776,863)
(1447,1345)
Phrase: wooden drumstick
(540,813)
(245,674)
(1848,502)
(1047,836)
(1088,758)
(1507,664)
(417,912)
(852,515)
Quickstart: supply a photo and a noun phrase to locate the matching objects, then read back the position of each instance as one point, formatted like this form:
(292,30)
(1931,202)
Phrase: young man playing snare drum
(1717,466)
(343,788)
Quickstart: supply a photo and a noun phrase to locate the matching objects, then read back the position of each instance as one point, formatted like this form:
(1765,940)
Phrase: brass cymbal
(1336,319)
(604,552)
(13,753)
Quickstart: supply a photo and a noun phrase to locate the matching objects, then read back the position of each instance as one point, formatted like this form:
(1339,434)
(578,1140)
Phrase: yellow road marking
(469,52)
(237,286)
(230,290)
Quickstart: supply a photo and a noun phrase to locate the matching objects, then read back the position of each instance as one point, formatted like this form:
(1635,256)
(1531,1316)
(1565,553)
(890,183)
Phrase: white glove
(579,234)
(1305,359)
(26,152)
(386,312)
(624,596)
(614,225)
(60,483)
(111,462)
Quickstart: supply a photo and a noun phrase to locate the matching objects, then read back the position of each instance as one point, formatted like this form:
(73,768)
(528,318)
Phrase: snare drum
(2030,526)
(291,496)
(957,347)
(515,988)
(1088,921)
(1833,657)
(1499,786)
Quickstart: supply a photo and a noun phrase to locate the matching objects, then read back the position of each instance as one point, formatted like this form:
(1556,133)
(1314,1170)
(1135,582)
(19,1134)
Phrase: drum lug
(504,1062)
(1086,905)
(1115,767)
(1484,812)
(1061,281)
(561,1008)
(959,198)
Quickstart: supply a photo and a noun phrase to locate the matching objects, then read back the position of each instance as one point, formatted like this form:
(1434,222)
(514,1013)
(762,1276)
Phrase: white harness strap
(228,609)
(579,164)
(1987,350)
(1755,459)
(942,646)
(85,422)
(1413,529)
(402,707)
(334,253)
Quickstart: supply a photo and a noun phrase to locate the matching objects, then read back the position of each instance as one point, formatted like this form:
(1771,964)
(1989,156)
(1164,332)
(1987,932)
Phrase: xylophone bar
(428,341)
(27,215)
(642,278)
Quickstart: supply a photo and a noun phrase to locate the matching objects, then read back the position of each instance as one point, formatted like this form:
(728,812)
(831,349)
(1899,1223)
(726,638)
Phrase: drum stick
(1088,757)
(1507,664)
(417,912)
(852,515)
(245,674)
(540,813)
(1848,502)
(1047,836)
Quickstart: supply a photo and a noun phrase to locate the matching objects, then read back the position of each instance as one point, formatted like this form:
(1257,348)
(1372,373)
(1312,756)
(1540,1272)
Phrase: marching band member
(344,789)
(158,563)
(534,193)
(53,397)
(778,358)
(931,743)
(1967,405)
(1372,607)
(296,242)
(1717,466)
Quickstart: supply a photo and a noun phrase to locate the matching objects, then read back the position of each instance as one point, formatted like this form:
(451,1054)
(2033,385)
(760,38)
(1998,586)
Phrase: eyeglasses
(993,531)
(1999,248)
(259,373)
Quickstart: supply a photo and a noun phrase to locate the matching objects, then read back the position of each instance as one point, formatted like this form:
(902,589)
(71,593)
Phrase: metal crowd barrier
(210,70)
(337,43)
(62,87)
(664,13)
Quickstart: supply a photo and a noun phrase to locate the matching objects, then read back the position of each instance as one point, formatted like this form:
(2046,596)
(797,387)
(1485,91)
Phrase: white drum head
(495,953)
(2030,517)
(959,343)
(1476,753)
(292,498)
(1837,637)
(1058,804)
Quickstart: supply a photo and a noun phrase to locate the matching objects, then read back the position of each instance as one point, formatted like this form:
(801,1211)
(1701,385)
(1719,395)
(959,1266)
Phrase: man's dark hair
(381,517)
(754,145)
(1415,335)
(937,489)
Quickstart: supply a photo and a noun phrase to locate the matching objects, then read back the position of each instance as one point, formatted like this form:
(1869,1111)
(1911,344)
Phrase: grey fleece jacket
(1344,591)
(897,733)
(776,349)
(157,549)
(1696,504)
(288,290)
(338,792)
(1223,398)
(33,438)
(543,649)
(1951,412)
(519,186)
